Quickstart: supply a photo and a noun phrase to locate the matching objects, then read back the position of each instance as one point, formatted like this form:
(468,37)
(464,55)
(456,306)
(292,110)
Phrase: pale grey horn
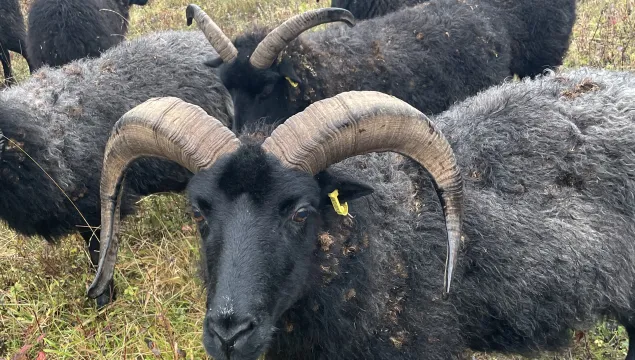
(162,127)
(272,45)
(220,42)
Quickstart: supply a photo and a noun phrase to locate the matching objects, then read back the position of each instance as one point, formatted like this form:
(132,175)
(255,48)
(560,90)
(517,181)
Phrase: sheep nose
(229,329)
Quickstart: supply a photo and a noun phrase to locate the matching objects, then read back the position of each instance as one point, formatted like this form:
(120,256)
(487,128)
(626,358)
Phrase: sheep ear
(286,70)
(348,188)
(214,63)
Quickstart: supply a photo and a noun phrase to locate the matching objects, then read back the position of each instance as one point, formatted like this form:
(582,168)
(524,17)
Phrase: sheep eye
(300,215)
(198,217)
(267,90)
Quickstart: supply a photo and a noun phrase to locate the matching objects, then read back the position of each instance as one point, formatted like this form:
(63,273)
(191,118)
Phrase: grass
(43,309)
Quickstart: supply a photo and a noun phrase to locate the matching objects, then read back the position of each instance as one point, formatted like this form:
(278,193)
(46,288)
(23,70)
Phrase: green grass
(43,308)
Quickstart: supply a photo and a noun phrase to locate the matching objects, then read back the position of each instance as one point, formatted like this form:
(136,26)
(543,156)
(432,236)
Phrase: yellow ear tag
(293,83)
(339,209)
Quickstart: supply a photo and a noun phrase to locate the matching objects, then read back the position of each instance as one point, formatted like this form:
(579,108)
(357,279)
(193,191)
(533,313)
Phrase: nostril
(230,329)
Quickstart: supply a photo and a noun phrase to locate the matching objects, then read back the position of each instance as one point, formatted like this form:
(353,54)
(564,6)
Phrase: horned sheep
(530,183)
(12,36)
(56,124)
(430,56)
(64,30)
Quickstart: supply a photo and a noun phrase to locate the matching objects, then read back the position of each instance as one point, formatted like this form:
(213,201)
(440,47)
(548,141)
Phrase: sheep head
(259,206)
(261,82)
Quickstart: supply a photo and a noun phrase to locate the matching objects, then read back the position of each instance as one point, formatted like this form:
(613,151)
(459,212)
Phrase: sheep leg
(93,249)
(5,58)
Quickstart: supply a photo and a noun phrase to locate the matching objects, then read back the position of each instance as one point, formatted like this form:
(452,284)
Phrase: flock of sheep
(375,189)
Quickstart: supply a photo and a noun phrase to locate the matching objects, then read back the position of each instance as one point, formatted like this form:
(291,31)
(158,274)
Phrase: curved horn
(360,122)
(221,43)
(164,127)
(270,47)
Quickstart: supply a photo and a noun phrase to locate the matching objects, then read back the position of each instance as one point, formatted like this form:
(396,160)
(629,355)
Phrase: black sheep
(547,208)
(430,56)
(540,30)
(62,117)
(12,36)
(64,30)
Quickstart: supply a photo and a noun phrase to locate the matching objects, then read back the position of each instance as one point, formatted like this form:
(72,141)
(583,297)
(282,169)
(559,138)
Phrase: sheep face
(137,2)
(259,226)
(262,96)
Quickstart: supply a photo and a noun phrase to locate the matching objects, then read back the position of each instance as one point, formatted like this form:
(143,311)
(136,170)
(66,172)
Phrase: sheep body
(538,258)
(12,36)
(540,30)
(548,233)
(430,56)
(64,30)
(367,9)
(62,117)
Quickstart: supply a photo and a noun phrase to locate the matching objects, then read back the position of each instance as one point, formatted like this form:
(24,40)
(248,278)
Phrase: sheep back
(64,30)
(367,9)
(62,118)
(540,31)
(430,55)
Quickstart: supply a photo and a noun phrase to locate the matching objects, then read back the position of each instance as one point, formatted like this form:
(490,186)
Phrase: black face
(259,96)
(259,224)
(138,2)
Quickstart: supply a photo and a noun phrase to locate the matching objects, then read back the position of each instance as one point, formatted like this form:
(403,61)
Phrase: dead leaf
(21,354)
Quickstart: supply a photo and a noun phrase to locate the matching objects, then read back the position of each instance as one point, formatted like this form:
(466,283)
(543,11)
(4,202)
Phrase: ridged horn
(161,127)
(272,45)
(360,122)
(220,42)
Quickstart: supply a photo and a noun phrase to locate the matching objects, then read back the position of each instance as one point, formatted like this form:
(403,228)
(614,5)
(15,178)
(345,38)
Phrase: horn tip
(96,288)
(190,11)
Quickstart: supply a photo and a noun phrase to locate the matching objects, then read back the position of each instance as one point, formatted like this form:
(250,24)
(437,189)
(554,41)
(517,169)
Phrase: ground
(44,313)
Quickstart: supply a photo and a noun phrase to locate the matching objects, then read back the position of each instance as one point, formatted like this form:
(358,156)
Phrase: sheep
(12,36)
(540,30)
(326,240)
(64,30)
(430,56)
(61,119)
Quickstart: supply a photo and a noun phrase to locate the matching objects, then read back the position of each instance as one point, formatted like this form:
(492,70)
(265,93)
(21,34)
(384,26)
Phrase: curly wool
(549,202)
(367,9)
(63,117)
(12,35)
(540,30)
(64,30)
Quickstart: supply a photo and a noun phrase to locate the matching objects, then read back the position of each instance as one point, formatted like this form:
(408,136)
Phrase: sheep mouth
(253,347)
